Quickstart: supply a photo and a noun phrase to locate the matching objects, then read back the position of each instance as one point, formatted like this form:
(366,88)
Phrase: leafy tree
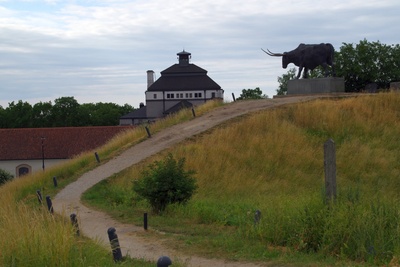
(368,62)
(3,116)
(283,81)
(65,112)
(251,94)
(165,182)
(5,176)
(109,112)
(18,115)
(41,114)
(126,108)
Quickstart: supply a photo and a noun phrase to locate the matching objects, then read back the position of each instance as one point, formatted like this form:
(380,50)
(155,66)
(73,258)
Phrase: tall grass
(31,236)
(273,161)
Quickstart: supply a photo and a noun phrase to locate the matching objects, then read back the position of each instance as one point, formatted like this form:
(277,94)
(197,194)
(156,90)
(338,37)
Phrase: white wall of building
(35,165)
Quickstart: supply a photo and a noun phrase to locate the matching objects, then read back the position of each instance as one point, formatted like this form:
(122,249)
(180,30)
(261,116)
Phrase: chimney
(150,78)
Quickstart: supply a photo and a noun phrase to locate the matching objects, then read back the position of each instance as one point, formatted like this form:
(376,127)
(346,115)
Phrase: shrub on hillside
(5,176)
(165,182)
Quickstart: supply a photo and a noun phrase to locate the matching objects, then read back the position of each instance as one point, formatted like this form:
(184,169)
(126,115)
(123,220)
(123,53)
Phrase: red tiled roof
(58,143)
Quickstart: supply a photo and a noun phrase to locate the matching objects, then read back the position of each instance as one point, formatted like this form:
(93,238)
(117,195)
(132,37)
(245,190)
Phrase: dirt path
(94,224)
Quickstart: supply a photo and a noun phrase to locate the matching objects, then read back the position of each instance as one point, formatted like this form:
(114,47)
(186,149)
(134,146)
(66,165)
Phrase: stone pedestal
(395,86)
(316,86)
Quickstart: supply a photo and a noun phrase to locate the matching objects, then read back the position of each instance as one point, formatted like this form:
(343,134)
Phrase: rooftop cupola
(184,58)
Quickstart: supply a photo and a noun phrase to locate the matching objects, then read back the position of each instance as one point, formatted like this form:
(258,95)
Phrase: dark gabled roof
(183,83)
(140,113)
(182,77)
(59,143)
(179,69)
(181,105)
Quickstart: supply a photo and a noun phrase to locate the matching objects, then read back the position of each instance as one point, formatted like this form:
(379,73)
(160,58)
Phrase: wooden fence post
(330,170)
(97,157)
(116,249)
(148,131)
(145,221)
(49,204)
(74,221)
(39,196)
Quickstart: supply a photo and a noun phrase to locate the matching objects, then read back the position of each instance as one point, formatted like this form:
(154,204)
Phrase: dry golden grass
(273,161)
(31,236)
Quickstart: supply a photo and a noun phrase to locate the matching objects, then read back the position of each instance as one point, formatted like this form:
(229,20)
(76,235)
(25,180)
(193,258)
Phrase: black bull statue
(308,56)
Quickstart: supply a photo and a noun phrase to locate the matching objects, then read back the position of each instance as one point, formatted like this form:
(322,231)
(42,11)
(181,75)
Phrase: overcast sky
(100,50)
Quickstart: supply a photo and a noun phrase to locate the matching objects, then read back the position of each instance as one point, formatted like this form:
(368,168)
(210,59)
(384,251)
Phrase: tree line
(65,112)
(359,64)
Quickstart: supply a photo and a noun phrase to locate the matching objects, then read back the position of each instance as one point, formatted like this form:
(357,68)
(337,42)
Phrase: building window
(197,95)
(181,95)
(212,95)
(187,95)
(155,96)
(23,169)
(170,95)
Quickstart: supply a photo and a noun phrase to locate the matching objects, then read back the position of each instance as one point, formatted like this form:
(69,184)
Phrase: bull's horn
(272,54)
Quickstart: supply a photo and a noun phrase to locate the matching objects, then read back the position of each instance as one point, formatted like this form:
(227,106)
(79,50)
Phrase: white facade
(15,167)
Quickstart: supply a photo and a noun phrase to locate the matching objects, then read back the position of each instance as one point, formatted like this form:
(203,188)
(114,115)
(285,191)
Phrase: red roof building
(25,150)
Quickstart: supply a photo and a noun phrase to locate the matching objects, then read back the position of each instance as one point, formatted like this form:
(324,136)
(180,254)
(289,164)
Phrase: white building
(183,85)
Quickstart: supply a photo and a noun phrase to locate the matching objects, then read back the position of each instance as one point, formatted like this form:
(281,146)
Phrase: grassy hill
(271,161)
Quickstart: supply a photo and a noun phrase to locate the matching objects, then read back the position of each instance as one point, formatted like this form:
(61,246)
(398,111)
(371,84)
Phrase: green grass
(273,161)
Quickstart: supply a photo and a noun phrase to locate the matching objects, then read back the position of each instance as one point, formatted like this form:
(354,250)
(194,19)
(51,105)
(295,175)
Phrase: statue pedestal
(315,86)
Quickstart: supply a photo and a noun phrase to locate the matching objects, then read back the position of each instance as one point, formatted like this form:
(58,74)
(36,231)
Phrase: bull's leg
(305,73)
(333,70)
(325,67)
(299,73)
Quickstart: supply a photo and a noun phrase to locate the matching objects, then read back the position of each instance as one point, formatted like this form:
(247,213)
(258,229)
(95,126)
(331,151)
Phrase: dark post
(116,250)
(148,131)
(39,196)
(55,181)
(49,204)
(233,96)
(74,221)
(43,138)
(330,170)
(257,217)
(193,112)
(164,261)
(97,157)
(145,221)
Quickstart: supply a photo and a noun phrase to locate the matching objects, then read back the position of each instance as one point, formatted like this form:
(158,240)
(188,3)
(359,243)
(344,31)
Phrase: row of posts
(163,261)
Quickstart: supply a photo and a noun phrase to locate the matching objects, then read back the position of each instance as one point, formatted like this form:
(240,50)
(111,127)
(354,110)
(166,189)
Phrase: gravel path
(94,224)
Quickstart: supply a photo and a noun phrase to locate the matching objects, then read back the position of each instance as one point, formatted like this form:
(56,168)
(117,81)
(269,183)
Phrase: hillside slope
(94,224)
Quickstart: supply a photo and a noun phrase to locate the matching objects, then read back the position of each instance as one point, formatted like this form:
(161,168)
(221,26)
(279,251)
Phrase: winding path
(94,224)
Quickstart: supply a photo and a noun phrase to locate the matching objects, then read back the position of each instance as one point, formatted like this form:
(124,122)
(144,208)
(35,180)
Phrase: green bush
(5,176)
(165,182)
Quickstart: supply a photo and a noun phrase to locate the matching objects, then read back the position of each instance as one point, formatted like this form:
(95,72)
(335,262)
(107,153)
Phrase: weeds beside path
(94,224)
